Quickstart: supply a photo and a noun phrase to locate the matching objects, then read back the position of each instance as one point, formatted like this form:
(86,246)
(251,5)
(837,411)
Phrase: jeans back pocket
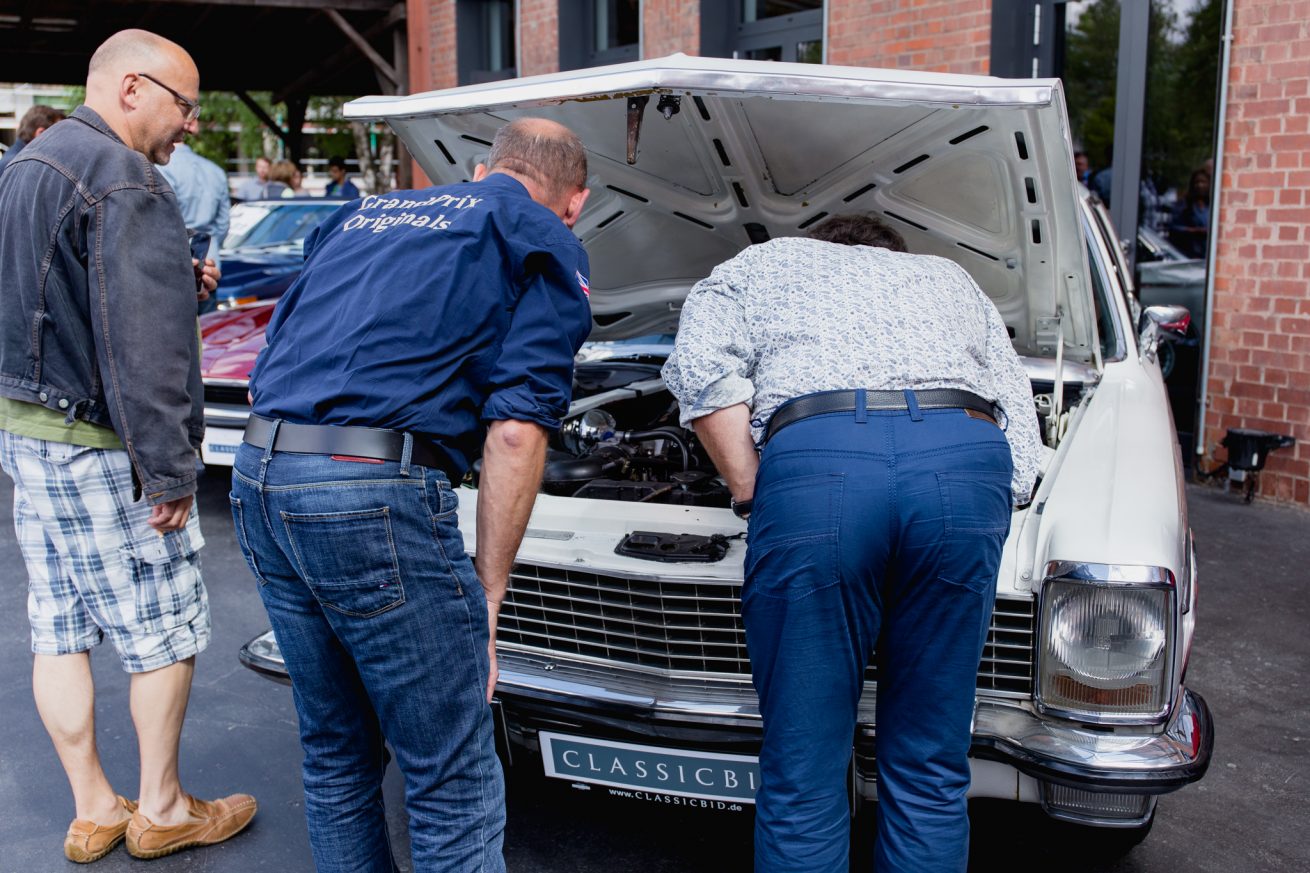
(977,508)
(348,559)
(791,547)
(976,501)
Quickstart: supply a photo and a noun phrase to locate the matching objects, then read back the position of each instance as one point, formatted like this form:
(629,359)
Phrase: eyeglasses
(191,108)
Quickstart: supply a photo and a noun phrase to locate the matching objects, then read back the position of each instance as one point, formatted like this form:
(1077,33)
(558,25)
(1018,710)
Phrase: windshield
(285,225)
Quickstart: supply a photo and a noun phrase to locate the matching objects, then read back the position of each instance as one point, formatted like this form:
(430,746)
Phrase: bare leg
(65,698)
(159,700)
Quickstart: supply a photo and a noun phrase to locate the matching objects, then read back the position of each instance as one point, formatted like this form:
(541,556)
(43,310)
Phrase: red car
(231,339)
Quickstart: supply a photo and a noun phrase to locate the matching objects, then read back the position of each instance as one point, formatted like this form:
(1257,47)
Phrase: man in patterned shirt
(898,427)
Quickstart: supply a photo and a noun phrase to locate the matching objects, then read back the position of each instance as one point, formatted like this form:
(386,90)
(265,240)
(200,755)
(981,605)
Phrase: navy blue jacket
(432,311)
(98,299)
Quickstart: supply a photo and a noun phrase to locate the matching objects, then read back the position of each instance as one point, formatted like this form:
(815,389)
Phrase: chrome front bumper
(1007,731)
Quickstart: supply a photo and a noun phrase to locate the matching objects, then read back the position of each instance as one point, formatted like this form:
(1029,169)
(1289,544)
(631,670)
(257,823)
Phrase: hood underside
(693,159)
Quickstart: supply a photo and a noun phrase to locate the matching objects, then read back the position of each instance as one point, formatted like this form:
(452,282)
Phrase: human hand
(171,515)
(208,277)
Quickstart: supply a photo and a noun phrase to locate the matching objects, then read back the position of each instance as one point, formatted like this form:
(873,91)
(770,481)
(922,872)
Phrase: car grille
(694,626)
(230,394)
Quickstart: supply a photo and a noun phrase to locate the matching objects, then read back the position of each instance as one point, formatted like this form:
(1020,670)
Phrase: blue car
(264,249)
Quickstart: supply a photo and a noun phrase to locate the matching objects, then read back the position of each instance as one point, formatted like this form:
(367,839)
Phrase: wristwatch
(742,508)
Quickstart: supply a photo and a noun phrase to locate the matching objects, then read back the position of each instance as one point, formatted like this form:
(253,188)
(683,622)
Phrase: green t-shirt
(35,421)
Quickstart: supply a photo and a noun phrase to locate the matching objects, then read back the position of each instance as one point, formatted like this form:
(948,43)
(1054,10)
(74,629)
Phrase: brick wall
(670,26)
(952,36)
(538,37)
(1260,346)
(432,59)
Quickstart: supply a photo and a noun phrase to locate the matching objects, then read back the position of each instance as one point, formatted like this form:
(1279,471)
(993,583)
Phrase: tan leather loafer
(212,821)
(87,841)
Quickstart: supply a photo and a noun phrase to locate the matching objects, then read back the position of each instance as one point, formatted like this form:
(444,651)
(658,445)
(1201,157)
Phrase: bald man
(100,417)
(428,327)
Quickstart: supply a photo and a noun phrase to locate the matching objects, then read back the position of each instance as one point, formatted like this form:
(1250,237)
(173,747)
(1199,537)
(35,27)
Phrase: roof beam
(379,62)
(263,116)
(334,61)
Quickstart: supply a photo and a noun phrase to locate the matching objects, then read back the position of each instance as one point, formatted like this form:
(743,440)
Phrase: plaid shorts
(94,566)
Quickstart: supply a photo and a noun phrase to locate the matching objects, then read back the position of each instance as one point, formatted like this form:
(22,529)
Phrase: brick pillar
(432,61)
(670,26)
(1260,347)
(538,37)
(950,36)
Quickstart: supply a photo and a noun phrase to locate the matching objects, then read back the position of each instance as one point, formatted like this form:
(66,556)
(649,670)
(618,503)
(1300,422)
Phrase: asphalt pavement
(1249,661)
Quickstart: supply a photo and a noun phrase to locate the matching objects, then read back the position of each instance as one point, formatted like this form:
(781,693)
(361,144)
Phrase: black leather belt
(376,443)
(825,402)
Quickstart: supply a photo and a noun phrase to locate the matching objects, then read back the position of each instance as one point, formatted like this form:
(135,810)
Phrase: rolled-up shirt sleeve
(533,376)
(713,359)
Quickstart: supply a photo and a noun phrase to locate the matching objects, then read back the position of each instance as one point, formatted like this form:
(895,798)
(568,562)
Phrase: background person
(1189,229)
(878,506)
(35,122)
(340,185)
(257,188)
(443,316)
(110,535)
(1082,167)
(201,189)
(286,175)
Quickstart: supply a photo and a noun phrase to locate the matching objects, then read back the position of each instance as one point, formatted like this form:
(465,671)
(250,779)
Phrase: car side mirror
(1158,323)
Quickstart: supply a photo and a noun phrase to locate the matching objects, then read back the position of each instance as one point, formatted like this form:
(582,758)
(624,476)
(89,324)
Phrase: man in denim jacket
(100,407)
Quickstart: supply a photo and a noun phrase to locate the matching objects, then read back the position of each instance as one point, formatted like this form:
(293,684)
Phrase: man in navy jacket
(426,326)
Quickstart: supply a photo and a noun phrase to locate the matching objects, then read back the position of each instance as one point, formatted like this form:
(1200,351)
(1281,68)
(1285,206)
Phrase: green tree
(1198,85)
(1091,54)
(229,130)
(1182,71)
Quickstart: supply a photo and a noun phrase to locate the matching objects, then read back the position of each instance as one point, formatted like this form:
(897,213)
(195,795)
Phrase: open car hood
(693,159)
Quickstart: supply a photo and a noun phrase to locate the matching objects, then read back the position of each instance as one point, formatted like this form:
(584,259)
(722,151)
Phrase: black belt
(377,443)
(844,401)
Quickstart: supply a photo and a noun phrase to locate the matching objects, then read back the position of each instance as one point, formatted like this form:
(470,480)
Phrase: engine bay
(621,439)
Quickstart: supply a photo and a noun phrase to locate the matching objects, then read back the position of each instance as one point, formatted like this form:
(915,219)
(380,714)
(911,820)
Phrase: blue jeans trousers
(383,625)
(871,528)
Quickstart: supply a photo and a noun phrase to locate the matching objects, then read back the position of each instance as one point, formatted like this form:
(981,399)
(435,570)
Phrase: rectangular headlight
(1107,643)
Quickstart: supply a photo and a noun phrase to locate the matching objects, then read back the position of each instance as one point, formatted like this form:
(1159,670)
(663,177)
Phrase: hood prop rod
(636,110)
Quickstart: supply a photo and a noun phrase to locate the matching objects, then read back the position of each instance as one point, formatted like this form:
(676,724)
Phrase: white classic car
(622,657)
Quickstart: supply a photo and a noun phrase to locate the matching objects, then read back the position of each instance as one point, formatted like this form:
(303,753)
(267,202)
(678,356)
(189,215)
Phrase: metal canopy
(294,48)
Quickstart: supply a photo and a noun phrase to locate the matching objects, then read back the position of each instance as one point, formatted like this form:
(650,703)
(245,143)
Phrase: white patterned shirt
(793,316)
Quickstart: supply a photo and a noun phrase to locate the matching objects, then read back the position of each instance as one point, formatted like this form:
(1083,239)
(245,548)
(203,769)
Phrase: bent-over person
(897,427)
(427,325)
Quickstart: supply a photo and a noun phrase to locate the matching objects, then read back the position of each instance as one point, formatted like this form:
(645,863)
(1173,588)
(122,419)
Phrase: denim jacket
(97,298)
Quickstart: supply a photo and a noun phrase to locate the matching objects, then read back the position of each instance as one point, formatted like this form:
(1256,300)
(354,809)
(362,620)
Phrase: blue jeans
(383,625)
(886,528)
